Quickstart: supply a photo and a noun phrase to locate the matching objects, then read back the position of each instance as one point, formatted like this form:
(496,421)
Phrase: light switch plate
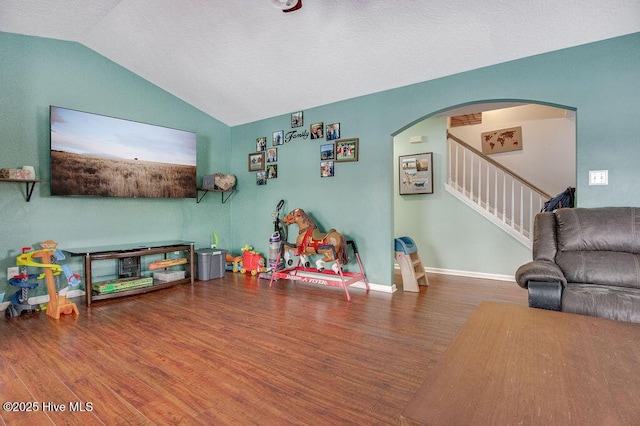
(598,177)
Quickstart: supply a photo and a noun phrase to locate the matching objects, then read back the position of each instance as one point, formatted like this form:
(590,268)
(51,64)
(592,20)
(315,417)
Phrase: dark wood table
(513,365)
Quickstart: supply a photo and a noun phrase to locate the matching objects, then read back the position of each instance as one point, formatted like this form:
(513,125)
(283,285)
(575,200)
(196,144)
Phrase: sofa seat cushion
(600,267)
(616,303)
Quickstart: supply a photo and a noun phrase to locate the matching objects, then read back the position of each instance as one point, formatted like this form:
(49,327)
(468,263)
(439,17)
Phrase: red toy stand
(326,277)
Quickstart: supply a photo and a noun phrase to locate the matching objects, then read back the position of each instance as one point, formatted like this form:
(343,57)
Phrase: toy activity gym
(48,255)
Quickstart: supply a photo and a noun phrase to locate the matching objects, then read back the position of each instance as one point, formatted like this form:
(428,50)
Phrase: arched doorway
(453,238)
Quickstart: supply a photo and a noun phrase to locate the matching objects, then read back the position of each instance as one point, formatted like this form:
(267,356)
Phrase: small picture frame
(278,137)
(261,143)
(327,151)
(346,150)
(261,178)
(415,173)
(326,169)
(333,131)
(272,155)
(272,171)
(296,119)
(256,161)
(317,130)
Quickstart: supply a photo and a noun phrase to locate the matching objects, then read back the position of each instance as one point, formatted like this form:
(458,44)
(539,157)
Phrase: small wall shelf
(224,199)
(30,183)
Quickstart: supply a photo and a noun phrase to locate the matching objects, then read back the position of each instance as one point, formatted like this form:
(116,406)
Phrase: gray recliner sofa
(586,261)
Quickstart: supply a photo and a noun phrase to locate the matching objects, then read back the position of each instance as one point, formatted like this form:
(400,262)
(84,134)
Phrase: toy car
(253,262)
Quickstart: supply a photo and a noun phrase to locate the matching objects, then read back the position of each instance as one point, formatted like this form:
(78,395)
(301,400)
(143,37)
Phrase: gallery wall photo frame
(261,143)
(327,151)
(333,131)
(415,173)
(297,119)
(277,138)
(326,169)
(346,150)
(272,155)
(256,161)
(317,130)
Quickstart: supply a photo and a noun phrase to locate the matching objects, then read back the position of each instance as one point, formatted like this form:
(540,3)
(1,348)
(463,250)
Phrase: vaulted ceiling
(244,60)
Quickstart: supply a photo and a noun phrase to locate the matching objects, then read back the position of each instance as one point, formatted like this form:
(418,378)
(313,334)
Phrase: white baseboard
(376,287)
(468,274)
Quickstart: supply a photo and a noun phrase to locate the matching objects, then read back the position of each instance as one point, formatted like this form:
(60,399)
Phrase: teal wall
(36,73)
(599,80)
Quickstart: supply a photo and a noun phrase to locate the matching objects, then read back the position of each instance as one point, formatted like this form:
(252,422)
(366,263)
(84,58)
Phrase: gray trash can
(211,263)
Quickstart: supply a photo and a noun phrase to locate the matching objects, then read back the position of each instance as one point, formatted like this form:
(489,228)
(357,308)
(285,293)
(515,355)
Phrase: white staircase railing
(495,192)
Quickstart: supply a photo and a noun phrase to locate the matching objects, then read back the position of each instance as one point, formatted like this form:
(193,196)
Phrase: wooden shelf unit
(92,254)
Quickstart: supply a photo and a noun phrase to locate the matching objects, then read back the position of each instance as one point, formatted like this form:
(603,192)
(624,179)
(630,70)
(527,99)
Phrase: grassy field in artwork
(75,174)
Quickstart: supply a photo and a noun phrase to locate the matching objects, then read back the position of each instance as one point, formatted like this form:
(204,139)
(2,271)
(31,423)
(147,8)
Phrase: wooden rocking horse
(331,245)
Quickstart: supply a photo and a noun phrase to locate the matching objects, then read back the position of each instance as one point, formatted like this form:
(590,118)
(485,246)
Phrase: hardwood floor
(234,351)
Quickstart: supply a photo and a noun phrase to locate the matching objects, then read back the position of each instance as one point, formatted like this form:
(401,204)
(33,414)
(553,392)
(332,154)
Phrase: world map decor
(503,140)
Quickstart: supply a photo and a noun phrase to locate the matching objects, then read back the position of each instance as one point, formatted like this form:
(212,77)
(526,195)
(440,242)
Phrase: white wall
(548,157)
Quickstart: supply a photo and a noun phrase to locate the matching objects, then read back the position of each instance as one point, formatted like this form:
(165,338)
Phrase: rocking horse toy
(331,245)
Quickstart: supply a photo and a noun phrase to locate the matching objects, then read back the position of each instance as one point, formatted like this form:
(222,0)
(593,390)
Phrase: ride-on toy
(331,245)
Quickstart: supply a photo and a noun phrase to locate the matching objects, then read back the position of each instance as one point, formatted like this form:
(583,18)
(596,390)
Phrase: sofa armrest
(539,270)
(545,295)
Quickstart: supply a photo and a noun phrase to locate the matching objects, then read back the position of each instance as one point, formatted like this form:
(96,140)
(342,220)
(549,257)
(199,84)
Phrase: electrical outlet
(12,272)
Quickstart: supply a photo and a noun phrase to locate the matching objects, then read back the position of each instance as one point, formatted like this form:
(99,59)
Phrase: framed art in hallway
(416,173)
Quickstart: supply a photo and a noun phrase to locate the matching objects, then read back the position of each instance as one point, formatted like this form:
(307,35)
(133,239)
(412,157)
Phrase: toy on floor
(331,245)
(234,263)
(252,261)
(48,256)
(333,248)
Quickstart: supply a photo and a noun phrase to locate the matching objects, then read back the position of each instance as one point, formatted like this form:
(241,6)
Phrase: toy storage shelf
(92,254)
(30,185)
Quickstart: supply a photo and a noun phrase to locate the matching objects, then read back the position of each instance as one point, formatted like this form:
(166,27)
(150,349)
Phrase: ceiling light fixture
(287,5)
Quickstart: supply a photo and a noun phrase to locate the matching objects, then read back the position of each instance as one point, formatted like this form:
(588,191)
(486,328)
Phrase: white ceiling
(244,60)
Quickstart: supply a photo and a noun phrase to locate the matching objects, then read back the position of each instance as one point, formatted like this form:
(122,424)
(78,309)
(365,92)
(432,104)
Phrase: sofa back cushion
(599,229)
(599,245)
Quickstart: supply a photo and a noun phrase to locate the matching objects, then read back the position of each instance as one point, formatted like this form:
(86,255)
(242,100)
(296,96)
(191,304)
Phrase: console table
(91,254)
(514,365)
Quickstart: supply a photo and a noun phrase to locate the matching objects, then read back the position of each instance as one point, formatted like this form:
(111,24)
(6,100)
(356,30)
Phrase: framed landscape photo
(415,173)
(256,161)
(346,150)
